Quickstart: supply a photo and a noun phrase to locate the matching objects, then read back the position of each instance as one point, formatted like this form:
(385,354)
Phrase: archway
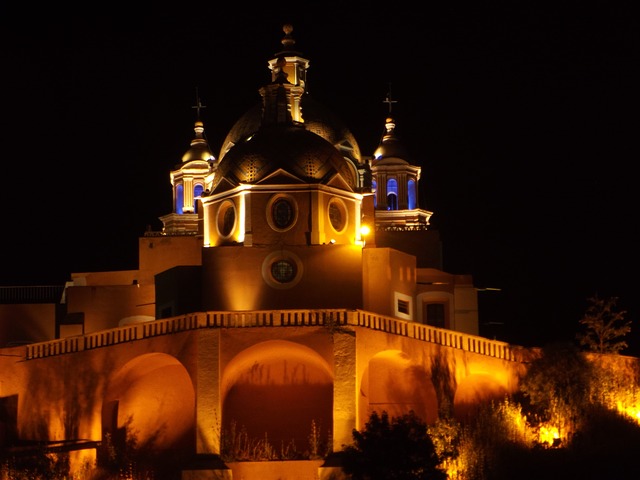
(392,383)
(277,393)
(149,407)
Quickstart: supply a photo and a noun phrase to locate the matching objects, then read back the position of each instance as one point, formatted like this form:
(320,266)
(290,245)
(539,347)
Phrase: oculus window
(226,218)
(337,214)
(282,212)
(282,269)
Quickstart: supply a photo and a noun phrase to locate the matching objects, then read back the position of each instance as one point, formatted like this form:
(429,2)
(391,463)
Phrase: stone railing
(331,319)
(31,294)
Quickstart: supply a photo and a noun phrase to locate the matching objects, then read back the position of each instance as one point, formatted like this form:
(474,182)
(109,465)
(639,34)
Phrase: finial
(288,40)
(198,106)
(388,99)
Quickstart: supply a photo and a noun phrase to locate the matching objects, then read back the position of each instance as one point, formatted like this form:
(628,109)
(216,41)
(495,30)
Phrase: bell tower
(188,182)
(400,222)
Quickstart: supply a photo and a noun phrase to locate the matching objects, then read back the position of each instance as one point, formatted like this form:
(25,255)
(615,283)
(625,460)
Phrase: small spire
(198,106)
(287,42)
(389,100)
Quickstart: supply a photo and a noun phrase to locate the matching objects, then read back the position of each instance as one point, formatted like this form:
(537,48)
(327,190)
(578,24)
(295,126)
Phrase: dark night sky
(521,117)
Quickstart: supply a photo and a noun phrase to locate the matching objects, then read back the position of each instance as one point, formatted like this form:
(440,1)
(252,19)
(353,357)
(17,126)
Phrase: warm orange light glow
(629,409)
(364,231)
(548,435)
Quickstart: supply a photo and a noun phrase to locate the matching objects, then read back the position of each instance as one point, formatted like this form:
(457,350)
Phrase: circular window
(282,269)
(226,218)
(337,215)
(282,212)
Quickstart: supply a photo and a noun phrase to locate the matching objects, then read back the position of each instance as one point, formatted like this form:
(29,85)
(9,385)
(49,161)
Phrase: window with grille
(403,306)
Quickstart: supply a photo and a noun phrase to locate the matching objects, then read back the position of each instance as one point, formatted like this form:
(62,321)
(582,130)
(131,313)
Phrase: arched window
(411,191)
(179,199)
(197,191)
(374,189)
(392,194)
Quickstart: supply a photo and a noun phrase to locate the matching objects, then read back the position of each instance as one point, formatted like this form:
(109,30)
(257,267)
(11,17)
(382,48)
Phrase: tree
(557,387)
(604,325)
(396,449)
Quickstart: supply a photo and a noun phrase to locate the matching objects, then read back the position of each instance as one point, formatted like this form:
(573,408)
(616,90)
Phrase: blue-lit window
(374,189)
(392,194)
(179,199)
(411,191)
(197,191)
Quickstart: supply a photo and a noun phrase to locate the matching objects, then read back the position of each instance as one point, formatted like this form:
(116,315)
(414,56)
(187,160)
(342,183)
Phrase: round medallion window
(282,212)
(337,215)
(226,218)
(283,271)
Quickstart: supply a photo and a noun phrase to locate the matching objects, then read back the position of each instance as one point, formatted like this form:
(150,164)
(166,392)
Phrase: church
(295,286)
(289,214)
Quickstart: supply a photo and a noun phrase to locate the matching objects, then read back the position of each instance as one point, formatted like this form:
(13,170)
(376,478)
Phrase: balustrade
(273,318)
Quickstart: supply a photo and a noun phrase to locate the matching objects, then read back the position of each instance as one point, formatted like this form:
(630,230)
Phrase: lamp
(364,231)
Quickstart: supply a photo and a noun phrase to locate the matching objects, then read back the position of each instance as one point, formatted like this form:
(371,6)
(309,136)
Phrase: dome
(390,151)
(291,148)
(199,149)
(317,119)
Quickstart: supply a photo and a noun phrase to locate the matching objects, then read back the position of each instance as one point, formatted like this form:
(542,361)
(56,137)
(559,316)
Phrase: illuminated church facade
(296,284)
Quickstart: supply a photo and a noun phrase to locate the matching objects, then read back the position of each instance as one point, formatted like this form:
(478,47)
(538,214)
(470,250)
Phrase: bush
(392,449)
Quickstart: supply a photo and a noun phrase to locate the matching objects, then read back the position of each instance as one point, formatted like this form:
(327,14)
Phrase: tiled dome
(292,149)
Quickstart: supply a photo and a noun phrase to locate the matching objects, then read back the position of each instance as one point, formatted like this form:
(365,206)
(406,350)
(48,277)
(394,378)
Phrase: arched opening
(149,412)
(374,189)
(179,199)
(392,194)
(197,192)
(411,195)
(392,383)
(278,393)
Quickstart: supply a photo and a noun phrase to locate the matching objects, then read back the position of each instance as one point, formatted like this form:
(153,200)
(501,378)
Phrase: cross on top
(389,100)
(199,105)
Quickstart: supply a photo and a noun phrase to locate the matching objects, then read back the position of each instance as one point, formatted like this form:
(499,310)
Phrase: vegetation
(557,388)
(574,416)
(604,326)
(392,449)
(239,446)
(36,466)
